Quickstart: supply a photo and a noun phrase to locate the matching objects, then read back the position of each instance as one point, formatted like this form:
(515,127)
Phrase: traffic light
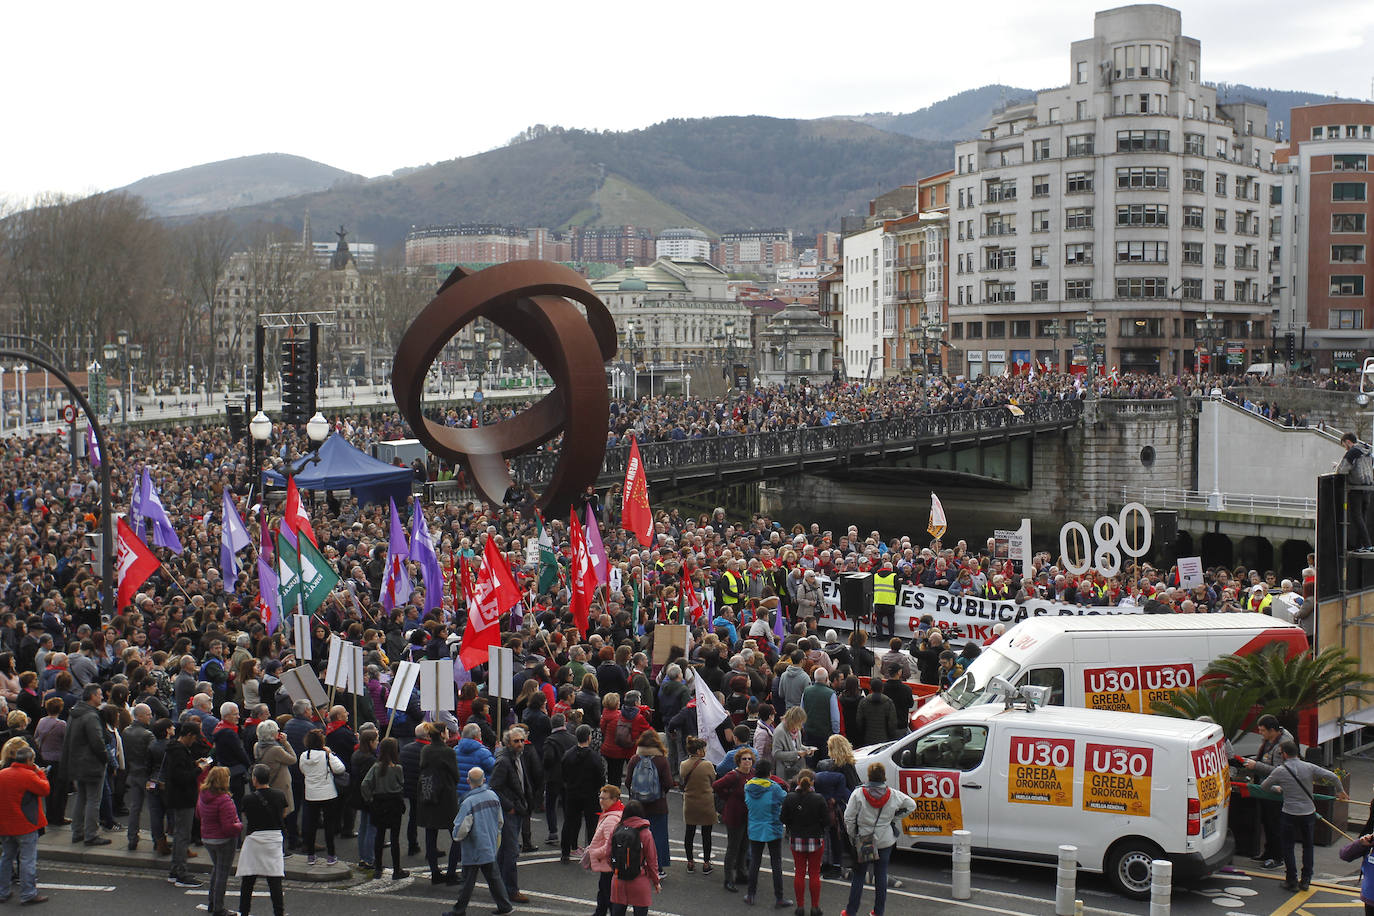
(238,424)
(1291,348)
(293,384)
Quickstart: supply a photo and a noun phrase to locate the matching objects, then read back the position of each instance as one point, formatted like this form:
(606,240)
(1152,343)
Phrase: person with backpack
(806,815)
(597,857)
(1358,467)
(584,773)
(649,781)
(763,797)
(698,801)
(479,828)
(620,731)
(635,872)
(870,821)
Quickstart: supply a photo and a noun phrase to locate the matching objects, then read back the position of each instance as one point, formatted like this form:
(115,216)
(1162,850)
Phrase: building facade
(760,251)
(612,245)
(481,243)
(1119,220)
(1323,239)
(683,244)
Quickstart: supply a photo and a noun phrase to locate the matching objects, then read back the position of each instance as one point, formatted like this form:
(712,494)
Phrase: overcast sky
(100,95)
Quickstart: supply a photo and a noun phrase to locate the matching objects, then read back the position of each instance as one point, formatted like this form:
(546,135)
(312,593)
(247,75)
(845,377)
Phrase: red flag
(134,563)
(297,519)
(582,577)
(635,515)
(692,601)
(494,593)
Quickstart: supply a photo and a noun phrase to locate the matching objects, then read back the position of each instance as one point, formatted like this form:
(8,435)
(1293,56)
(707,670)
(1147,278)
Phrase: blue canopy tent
(343,467)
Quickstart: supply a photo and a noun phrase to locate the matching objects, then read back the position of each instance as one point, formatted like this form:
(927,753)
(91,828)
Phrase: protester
(21,820)
(480,829)
(84,762)
(383,790)
(698,801)
(262,852)
(320,768)
(219,829)
(584,774)
(763,795)
(868,821)
(184,762)
(438,804)
(511,783)
(806,815)
(635,884)
(597,857)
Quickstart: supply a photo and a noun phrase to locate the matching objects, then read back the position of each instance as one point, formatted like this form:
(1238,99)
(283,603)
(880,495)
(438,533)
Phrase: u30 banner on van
(1116,779)
(963,617)
(1128,688)
(1213,780)
(936,794)
(1040,771)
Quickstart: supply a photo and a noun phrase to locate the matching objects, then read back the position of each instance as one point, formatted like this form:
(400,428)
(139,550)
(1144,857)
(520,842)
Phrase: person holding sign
(869,820)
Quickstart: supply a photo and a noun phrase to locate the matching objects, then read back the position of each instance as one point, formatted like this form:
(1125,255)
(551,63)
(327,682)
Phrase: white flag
(937,525)
(709,715)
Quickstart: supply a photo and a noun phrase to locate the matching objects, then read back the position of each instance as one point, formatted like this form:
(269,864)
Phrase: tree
(203,251)
(1284,686)
(1229,706)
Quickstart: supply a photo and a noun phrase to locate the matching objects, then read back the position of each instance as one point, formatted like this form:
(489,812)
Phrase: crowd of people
(170,722)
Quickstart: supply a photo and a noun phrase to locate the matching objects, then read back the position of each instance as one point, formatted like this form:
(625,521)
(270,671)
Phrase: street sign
(500,672)
(478,396)
(69,413)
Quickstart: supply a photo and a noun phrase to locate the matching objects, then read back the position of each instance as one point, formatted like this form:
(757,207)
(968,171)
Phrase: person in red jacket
(621,726)
(22,787)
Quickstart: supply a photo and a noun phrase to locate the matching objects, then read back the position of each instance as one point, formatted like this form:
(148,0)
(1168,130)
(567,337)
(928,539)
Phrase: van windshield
(972,686)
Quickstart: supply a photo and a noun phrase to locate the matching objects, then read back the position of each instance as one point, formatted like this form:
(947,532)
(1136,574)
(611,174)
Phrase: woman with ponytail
(806,814)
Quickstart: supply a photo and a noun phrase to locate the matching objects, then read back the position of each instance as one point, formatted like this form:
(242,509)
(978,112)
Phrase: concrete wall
(1260,457)
(1334,408)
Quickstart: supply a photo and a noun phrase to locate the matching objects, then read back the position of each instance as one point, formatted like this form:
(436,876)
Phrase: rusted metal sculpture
(533,301)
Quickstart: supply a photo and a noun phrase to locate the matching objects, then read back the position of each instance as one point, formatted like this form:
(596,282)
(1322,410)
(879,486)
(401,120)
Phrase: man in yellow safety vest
(885,600)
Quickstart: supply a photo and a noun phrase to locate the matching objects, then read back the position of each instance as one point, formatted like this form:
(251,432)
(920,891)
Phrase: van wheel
(1128,866)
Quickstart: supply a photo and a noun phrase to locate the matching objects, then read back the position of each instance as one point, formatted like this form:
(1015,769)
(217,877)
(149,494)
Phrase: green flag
(548,560)
(288,575)
(318,578)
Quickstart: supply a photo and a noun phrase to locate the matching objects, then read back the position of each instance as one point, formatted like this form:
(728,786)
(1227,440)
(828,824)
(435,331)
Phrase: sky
(100,95)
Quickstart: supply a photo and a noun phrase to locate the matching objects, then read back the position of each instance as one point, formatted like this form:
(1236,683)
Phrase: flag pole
(390,718)
(173,580)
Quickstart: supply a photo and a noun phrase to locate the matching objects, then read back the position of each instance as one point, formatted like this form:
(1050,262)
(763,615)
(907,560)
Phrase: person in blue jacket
(763,795)
(471,752)
(1363,849)
(478,828)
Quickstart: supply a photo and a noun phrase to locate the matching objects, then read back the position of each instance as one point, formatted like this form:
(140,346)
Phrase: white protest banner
(402,685)
(357,682)
(336,672)
(1014,546)
(300,629)
(500,672)
(436,685)
(302,683)
(964,617)
(1189,572)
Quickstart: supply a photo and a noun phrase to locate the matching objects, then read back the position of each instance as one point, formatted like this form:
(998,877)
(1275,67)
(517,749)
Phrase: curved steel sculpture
(533,301)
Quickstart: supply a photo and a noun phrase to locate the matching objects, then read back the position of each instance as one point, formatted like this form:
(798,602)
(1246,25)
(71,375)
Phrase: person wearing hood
(621,726)
(794,681)
(806,815)
(650,789)
(597,858)
(763,797)
(870,820)
(638,892)
(876,721)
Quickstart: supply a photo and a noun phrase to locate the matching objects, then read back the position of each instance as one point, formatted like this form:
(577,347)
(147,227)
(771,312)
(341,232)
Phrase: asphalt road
(566,890)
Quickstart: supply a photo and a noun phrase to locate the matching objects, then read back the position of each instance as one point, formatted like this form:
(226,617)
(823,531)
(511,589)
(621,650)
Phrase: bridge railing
(1249,503)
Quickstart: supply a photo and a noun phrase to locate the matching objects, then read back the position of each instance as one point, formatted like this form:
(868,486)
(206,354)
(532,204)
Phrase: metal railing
(1253,503)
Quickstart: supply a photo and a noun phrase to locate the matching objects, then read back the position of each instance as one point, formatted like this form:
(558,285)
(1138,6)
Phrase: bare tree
(203,250)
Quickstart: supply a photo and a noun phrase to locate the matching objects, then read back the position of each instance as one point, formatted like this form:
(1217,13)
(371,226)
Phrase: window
(1080,72)
(1221,220)
(1078,253)
(1221,147)
(1079,145)
(1040,149)
(1020,328)
(999,191)
(1143,252)
(1345,319)
(1142,215)
(1042,327)
(975,329)
(1351,285)
(961,198)
(1054,115)
(1040,291)
(1052,678)
(1192,217)
(1142,327)
(1142,287)
(1218,255)
(1001,258)
(1316,133)
(1347,254)
(1040,256)
(1040,186)
(1221,184)
(1192,71)
(1078,289)
(998,224)
(996,291)
(1276,195)
(1347,222)
(1347,162)
(1134,141)
(1192,253)
(1192,288)
(997,329)
(956,330)
(1080,110)
(1194,144)
(955,747)
(1219,290)
(1078,183)
(1142,178)
(1347,190)
(1040,221)
(1078,218)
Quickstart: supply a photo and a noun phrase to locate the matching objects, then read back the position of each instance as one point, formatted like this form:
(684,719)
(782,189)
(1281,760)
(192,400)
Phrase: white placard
(300,628)
(402,685)
(1110,539)
(336,672)
(1014,546)
(500,672)
(1189,572)
(357,681)
(436,685)
(301,683)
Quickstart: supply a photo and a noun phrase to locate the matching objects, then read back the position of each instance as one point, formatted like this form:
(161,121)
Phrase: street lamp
(494,355)
(932,331)
(1208,329)
(1056,331)
(1087,336)
(23,392)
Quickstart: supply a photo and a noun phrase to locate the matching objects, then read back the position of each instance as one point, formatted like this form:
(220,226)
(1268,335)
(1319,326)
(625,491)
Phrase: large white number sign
(1109,534)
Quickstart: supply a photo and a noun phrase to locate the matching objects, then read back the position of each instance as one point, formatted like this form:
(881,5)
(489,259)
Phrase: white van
(1117,662)
(1124,788)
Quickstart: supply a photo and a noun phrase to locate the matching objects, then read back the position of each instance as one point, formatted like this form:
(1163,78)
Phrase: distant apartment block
(683,244)
(754,251)
(479,243)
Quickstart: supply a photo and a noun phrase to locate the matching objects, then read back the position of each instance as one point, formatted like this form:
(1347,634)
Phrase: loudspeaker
(856,595)
(1166,527)
(1331,560)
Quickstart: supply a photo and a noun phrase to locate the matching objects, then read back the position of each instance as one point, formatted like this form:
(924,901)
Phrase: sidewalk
(56,846)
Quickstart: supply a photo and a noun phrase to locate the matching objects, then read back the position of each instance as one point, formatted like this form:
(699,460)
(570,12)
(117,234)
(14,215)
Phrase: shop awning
(1347,364)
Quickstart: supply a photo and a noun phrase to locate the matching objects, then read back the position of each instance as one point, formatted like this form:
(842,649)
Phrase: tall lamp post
(1087,335)
(128,355)
(260,429)
(931,331)
(1208,329)
(1056,331)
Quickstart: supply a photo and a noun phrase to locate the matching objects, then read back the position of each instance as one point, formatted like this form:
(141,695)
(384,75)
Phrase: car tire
(1127,866)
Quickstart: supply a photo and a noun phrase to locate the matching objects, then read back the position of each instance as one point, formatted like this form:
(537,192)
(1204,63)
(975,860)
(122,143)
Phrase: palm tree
(1284,686)
(1229,706)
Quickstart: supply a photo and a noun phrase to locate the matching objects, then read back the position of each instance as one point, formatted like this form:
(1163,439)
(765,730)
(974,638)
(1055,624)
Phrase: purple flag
(779,623)
(396,580)
(461,675)
(164,535)
(92,447)
(596,550)
(269,599)
(422,552)
(233,537)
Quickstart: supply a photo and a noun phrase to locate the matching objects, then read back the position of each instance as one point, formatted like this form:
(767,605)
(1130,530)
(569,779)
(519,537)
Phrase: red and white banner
(134,563)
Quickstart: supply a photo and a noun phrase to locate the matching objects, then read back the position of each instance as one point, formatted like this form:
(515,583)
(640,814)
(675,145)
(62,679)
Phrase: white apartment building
(683,244)
(1128,195)
(862,321)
